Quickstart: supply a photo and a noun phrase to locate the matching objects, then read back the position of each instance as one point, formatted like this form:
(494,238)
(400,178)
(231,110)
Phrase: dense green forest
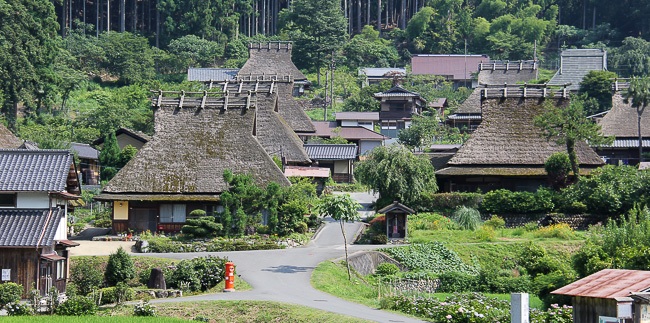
(76,70)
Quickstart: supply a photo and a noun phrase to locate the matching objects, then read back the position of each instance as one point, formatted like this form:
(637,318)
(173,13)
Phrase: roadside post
(230,277)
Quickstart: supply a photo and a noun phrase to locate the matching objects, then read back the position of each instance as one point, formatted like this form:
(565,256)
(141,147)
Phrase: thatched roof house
(272,131)
(507,150)
(7,139)
(621,123)
(197,137)
(271,58)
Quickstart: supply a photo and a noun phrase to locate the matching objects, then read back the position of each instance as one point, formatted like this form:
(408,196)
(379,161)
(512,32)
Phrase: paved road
(284,275)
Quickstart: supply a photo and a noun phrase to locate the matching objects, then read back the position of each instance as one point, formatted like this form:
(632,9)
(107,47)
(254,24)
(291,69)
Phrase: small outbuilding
(608,296)
(396,220)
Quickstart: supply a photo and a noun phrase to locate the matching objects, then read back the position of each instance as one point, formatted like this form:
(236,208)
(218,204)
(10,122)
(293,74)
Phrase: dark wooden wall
(23,263)
(588,309)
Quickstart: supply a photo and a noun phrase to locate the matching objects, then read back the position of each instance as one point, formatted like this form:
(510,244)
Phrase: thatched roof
(621,121)
(7,139)
(291,110)
(508,137)
(472,104)
(271,58)
(272,130)
(501,72)
(192,147)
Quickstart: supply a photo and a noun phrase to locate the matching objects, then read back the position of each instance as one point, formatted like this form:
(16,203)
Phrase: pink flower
(448,316)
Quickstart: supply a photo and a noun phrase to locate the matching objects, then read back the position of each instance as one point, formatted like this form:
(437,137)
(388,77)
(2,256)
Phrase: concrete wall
(366,262)
(32,200)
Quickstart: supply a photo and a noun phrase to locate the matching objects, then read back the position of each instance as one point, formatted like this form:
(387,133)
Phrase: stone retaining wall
(366,262)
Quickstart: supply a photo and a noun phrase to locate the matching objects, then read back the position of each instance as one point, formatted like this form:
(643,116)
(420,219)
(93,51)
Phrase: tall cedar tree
(568,126)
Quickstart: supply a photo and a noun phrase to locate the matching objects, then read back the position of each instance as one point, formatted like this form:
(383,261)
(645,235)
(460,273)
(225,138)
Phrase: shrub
(202,227)
(457,282)
(546,283)
(503,281)
(198,274)
(379,238)
(301,227)
(503,201)
(448,201)
(430,221)
(495,222)
(119,268)
(467,218)
(486,234)
(386,269)
(558,167)
(10,293)
(117,294)
(18,309)
(531,226)
(77,306)
(470,307)
(144,309)
(559,230)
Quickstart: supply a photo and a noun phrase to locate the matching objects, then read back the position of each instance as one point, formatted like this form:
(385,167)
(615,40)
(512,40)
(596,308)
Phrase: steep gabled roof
(331,151)
(396,206)
(7,139)
(291,111)
(29,227)
(471,105)
(193,145)
(35,170)
(137,135)
(576,63)
(621,121)
(507,137)
(271,58)
(608,283)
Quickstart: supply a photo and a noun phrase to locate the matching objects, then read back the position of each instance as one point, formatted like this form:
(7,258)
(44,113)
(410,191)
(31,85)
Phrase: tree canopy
(396,174)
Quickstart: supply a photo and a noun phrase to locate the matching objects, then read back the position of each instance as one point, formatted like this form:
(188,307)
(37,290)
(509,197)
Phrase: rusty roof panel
(608,283)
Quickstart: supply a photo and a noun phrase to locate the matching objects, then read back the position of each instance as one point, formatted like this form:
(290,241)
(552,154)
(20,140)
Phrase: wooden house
(507,150)
(365,139)
(609,296)
(398,105)
(197,137)
(89,167)
(375,75)
(367,120)
(35,187)
(126,137)
(338,158)
(621,122)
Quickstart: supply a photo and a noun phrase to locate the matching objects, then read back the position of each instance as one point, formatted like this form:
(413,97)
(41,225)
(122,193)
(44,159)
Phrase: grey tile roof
(84,151)
(396,91)
(326,129)
(34,170)
(211,74)
(380,71)
(140,136)
(576,63)
(628,143)
(373,116)
(29,227)
(331,151)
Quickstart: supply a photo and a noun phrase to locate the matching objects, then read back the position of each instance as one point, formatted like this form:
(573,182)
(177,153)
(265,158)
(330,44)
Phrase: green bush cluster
(77,306)
(443,202)
(467,218)
(386,269)
(18,309)
(432,257)
(166,244)
(117,294)
(10,293)
(430,221)
(489,280)
(198,274)
(144,309)
(495,222)
(119,268)
(202,227)
(503,201)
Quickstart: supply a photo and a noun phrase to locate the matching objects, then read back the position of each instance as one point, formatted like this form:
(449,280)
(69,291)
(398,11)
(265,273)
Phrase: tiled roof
(34,170)
(380,71)
(608,283)
(465,117)
(628,143)
(438,103)
(396,91)
(456,67)
(325,129)
(84,151)
(331,151)
(211,74)
(29,227)
(7,139)
(576,63)
(373,116)
(396,206)
(140,136)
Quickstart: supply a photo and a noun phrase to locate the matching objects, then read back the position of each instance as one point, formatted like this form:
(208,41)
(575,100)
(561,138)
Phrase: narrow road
(284,275)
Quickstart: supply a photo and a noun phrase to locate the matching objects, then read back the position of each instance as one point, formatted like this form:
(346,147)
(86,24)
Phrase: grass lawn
(238,311)
(89,319)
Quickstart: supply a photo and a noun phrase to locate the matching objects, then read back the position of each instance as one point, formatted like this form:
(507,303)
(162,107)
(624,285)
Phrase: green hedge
(165,244)
(448,201)
(503,201)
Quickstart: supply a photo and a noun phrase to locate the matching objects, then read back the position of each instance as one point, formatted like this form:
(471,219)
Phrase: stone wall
(366,262)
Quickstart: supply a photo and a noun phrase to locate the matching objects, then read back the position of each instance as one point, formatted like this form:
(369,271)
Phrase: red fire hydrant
(230,277)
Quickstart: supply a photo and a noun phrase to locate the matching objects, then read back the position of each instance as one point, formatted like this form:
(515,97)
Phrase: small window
(8,200)
(60,269)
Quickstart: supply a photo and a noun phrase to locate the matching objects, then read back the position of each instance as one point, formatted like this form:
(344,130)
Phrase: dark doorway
(143,219)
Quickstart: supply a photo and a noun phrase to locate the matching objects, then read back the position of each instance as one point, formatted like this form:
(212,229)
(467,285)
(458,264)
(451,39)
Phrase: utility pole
(332,67)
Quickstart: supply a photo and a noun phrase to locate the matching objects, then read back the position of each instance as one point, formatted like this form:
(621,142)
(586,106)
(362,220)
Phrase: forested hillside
(76,70)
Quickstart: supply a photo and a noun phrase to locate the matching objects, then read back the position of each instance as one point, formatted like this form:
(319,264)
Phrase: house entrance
(143,219)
